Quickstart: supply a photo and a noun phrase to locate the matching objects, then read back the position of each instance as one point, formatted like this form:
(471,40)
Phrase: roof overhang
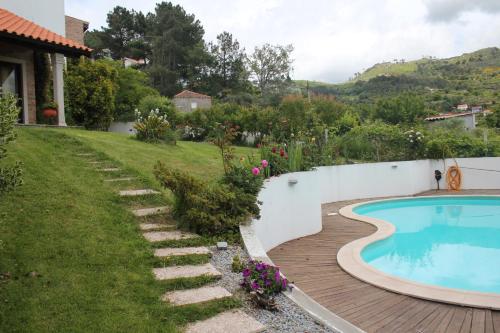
(43,46)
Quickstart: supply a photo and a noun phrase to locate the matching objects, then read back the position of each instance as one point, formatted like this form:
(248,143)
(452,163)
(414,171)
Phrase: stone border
(349,258)
(310,306)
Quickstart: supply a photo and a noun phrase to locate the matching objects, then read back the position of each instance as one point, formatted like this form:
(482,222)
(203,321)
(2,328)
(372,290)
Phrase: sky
(333,39)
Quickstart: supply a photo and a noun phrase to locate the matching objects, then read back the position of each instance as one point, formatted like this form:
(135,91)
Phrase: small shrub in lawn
(153,127)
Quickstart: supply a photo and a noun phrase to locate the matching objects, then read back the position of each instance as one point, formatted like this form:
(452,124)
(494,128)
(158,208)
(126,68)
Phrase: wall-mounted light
(292,181)
(394,166)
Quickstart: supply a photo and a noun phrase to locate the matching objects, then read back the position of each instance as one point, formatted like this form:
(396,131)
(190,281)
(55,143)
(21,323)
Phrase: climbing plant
(10,176)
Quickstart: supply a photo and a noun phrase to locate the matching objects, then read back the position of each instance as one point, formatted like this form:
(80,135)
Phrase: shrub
(10,176)
(206,208)
(261,277)
(153,127)
(90,93)
(237,266)
(162,104)
(133,87)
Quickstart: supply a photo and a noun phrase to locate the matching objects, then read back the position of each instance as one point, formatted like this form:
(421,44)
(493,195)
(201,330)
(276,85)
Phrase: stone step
(134,193)
(156,226)
(229,321)
(192,296)
(109,169)
(181,251)
(158,236)
(125,179)
(187,271)
(150,211)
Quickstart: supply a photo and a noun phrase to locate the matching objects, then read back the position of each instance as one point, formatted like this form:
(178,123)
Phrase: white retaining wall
(290,211)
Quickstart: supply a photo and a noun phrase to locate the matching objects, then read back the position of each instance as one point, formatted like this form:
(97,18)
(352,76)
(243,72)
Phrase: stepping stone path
(229,321)
(159,236)
(155,226)
(150,211)
(134,193)
(126,179)
(109,169)
(181,251)
(187,271)
(192,296)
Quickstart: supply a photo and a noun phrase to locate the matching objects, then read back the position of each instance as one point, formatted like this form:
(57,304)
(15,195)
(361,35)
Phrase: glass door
(10,82)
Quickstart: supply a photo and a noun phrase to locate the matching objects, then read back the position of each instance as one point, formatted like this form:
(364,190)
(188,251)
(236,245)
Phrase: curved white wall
(292,211)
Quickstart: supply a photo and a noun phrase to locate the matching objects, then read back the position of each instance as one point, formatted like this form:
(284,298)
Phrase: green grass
(93,267)
(200,159)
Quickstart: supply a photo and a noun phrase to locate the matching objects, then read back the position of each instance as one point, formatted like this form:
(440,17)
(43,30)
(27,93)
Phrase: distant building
(477,109)
(468,118)
(188,101)
(462,107)
(128,62)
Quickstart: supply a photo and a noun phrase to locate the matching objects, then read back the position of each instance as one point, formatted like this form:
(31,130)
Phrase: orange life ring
(454,178)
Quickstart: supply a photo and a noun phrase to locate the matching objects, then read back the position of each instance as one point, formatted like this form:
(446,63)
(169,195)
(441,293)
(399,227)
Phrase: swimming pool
(450,242)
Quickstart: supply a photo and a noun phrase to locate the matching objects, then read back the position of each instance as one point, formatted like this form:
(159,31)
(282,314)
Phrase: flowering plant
(263,278)
(153,126)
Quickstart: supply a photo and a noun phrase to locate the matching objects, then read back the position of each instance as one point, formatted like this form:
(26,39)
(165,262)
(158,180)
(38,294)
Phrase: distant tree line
(171,43)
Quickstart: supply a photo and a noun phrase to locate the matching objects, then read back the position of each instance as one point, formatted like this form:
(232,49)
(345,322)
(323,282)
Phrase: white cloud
(334,38)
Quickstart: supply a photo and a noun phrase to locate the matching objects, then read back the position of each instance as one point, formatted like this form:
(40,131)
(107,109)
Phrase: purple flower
(284,283)
(254,285)
(277,276)
(260,266)
(246,272)
(267,283)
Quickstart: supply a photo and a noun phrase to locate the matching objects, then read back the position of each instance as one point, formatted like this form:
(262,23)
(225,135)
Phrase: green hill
(472,78)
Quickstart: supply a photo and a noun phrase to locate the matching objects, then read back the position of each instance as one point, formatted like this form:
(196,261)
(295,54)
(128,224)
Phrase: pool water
(452,242)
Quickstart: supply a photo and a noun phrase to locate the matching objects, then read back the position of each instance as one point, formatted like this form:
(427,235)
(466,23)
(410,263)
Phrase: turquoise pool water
(451,242)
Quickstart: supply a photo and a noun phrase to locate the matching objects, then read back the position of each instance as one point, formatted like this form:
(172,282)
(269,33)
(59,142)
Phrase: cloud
(449,10)
(333,39)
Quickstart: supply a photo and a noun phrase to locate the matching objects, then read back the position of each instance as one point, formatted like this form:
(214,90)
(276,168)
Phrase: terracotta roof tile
(190,94)
(16,25)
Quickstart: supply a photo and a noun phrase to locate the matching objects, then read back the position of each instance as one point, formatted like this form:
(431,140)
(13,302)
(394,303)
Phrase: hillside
(472,78)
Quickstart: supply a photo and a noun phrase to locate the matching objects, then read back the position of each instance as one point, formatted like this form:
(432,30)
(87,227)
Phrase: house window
(10,82)
(194,105)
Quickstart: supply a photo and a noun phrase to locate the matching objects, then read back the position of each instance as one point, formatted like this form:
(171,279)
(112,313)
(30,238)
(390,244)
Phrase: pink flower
(255,171)
(265,163)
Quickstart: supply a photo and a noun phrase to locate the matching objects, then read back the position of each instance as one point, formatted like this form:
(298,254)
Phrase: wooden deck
(311,263)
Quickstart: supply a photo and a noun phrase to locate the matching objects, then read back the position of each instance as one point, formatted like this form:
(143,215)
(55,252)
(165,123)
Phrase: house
(477,109)
(462,107)
(30,27)
(129,62)
(468,118)
(188,101)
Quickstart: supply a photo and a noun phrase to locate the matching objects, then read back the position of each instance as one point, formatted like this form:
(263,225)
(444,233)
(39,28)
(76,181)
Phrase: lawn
(72,258)
(201,159)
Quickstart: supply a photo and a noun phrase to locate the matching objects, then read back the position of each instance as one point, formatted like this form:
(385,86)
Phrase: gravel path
(288,318)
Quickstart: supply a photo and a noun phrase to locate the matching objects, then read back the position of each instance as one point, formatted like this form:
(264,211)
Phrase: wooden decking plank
(432,323)
(488,323)
(478,321)
(466,325)
(495,316)
(456,321)
(443,325)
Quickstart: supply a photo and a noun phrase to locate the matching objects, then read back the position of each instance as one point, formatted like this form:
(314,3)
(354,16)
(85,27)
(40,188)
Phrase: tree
(123,37)
(178,50)
(270,67)
(226,71)
(90,93)
(406,108)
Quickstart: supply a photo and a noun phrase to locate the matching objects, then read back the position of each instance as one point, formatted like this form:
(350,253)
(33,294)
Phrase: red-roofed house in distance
(188,101)
(29,29)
